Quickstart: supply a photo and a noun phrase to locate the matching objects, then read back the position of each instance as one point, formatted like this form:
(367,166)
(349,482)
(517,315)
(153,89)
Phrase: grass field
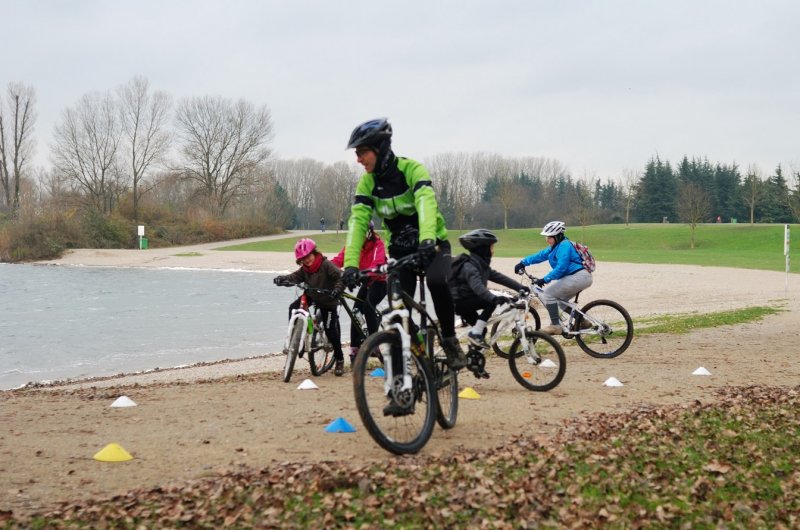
(724,245)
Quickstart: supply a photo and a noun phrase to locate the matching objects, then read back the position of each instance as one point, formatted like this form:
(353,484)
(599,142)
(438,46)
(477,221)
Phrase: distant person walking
(322,223)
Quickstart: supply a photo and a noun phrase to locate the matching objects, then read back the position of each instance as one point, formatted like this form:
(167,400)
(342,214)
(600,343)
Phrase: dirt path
(190,423)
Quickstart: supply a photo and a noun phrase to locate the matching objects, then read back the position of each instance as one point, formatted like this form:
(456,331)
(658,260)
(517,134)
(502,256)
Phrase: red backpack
(586,257)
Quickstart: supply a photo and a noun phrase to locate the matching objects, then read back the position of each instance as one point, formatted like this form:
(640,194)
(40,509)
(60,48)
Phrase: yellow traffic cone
(469,393)
(112,453)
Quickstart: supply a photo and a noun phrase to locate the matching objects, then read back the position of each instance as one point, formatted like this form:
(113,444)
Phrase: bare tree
(223,142)
(694,205)
(17,118)
(794,194)
(629,181)
(85,149)
(752,190)
(584,208)
(335,191)
(300,179)
(509,195)
(144,116)
(454,184)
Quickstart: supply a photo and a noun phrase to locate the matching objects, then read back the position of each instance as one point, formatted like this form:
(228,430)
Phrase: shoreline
(643,289)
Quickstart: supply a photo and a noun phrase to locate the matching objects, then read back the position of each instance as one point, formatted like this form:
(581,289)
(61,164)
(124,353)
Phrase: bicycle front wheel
(321,354)
(445,379)
(400,421)
(540,369)
(503,343)
(294,348)
(606,330)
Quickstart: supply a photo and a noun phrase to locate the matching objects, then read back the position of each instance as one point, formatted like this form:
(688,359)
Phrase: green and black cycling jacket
(403,197)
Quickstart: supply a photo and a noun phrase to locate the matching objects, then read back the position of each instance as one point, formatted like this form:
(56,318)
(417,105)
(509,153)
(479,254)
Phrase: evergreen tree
(775,205)
(702,174)
(727,179)
(656,193)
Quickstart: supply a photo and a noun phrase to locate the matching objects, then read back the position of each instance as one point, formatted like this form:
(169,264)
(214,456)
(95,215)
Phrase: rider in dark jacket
(471,273)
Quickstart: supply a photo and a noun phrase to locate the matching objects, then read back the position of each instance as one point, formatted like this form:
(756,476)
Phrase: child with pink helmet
(317,271)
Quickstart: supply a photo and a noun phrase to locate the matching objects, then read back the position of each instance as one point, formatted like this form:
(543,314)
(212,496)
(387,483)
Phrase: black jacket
(470,275)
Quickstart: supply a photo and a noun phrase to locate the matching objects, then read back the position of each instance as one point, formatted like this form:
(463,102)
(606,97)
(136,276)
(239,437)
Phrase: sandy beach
(196,421)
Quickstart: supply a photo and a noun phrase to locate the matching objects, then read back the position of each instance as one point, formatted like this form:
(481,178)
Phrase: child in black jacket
(468,280)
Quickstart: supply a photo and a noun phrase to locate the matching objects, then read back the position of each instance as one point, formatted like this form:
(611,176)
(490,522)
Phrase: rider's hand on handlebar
(539,282)
(500,300)
(427,251)
(281,281)
(350,277)
(519,268)
(336,293)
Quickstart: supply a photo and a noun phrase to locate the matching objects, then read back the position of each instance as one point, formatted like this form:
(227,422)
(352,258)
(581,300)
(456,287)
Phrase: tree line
(197,167)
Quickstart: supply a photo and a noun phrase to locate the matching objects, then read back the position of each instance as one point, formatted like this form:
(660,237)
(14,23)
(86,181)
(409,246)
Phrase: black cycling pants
(436,277)
(467,309)
(372,294)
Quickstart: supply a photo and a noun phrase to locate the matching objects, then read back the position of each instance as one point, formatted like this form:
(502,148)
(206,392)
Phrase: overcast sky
(601,86)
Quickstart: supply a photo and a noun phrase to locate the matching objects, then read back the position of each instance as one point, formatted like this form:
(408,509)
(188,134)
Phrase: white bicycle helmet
(553,228)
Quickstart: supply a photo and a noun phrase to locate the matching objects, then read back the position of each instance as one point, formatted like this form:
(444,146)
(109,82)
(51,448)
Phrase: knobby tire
(294,348)
(543,367)
(405,434)
(320,357)
(445,379)
(616,335)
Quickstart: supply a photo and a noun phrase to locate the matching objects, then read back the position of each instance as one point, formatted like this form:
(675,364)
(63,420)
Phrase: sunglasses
(361,151)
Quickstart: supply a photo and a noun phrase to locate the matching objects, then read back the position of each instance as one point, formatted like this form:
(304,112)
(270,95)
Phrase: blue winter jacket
(563,258)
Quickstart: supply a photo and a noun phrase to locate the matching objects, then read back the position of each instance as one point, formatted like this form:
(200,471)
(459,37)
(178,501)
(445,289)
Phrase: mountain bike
(357,316)
(602,328)
(536,359)
(400,399)
(305,335)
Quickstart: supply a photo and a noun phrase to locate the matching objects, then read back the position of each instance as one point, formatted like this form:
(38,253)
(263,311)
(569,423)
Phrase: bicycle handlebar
(304,286)
(412,260)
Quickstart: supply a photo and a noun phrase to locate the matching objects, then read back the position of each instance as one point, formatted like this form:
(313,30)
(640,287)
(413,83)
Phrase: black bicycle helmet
(371,133)
(480,237)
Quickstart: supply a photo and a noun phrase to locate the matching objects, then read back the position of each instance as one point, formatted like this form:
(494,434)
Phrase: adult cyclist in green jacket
(399,191)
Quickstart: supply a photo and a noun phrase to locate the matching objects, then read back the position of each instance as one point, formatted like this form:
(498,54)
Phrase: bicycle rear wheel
(611,330)
(445,379)
(543,367)
(406,428)
(503,343)
(294,348)
(321,353)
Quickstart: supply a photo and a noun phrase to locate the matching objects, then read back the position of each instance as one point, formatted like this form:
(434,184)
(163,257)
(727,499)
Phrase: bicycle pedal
(480,374)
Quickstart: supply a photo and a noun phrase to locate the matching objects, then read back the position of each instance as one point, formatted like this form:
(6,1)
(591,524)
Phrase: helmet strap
(385,156)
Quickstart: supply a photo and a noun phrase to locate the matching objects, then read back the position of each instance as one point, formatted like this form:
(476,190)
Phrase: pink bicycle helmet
(303,248)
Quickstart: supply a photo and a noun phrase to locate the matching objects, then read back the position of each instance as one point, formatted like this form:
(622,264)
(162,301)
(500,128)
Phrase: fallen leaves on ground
(734,462)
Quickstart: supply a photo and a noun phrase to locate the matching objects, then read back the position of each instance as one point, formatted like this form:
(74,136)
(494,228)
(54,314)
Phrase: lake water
(59,322)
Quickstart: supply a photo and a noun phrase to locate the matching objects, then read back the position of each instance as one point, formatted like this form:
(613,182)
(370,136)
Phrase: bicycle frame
(513,316)
(574,311)
(398,316)
(360,322)
(301,313)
